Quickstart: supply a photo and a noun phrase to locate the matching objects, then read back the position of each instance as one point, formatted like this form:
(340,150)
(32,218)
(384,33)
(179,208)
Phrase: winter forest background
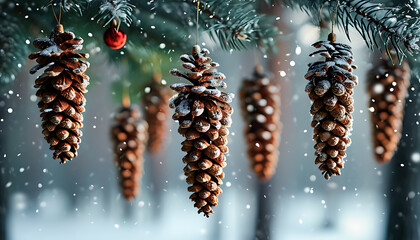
(44,200)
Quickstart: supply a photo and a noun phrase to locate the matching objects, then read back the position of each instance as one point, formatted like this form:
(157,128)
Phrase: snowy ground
(296,217)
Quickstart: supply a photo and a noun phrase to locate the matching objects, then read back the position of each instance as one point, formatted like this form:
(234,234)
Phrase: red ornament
(115,39)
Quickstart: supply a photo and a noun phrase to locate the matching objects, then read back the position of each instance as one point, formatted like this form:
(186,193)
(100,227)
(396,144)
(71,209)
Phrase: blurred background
(81,199)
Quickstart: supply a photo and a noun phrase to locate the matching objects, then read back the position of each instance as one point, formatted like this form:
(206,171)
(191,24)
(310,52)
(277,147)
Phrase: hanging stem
(126,96)
(198,12)
(258,67)
(332,36)
(55,15)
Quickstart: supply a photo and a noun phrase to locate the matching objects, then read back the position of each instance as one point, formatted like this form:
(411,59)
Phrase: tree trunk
(264,212)
(403,187)
(3,200)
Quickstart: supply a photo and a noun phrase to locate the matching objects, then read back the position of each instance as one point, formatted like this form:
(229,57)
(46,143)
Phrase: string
(55,16)
(59,18)
(332,20)
(126,96)
(256,56)
(198,12)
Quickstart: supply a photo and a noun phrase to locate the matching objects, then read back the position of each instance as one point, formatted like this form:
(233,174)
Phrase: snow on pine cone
(203,113)
(156,100)
(130,136)
(330,88)
(61,88)
(260,104)
(387,85)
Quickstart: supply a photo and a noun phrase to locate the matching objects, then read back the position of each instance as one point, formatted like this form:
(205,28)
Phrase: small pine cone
(203,113)
(387,85)
(330,87)
(61,88)
(156,101)
(130,136)
(260,103)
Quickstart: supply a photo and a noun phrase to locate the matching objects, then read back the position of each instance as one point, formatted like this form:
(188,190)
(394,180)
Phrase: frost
(261,118)
(266,135)
(213,92)
(412,43)
(119,9)
(262,102)
(179,85)
(269,110)
(50,50)
(250,108)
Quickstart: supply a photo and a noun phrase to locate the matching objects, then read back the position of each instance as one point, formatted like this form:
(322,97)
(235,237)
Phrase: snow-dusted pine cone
(203,113)
(61,88)
(130,136)
(330,87)
(156,100)
(260,103)
(387,85)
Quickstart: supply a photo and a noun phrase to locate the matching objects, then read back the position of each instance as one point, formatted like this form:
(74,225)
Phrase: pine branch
(233,23)
(67,5)
(13,49)
(396,27)
(115,9)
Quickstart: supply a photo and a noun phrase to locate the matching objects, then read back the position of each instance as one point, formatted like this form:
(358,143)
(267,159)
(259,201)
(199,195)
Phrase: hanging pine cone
(260,103)
(387,85)
(130,136)
(203,113)
(330,87)
(61,88)
(156,100)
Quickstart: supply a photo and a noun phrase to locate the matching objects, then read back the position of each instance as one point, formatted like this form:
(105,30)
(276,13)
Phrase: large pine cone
(61,88)
(387,85)
(260,103)
(203,113)
(330,87)
(156,100)
(130,136)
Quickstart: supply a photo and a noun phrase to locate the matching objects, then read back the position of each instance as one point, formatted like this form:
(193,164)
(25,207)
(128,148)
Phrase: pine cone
(387,85)
(260,103)
(156,100)
(61,88)
(203,113)
(130,136)
(330,87)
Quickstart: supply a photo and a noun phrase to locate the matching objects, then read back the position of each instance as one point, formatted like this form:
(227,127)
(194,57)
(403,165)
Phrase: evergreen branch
(392,26)
(67,5)
(233,23)
(236,25)
(13,50)
(115,9)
